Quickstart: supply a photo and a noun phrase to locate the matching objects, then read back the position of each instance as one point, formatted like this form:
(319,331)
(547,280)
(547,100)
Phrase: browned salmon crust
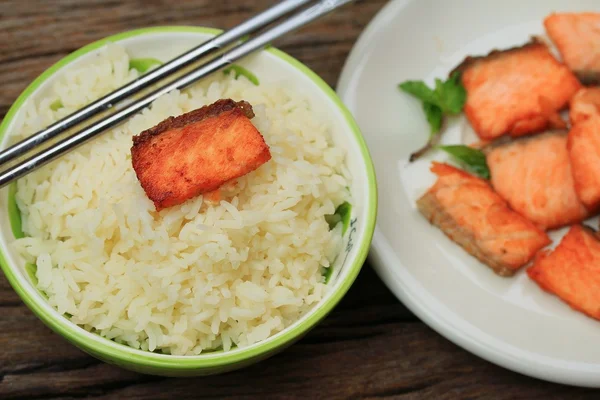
(516,91)
(470,213)
(470,61)
(211,110)
(198,152)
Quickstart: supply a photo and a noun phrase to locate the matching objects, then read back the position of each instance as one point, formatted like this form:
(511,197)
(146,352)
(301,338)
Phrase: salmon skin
(572,270)
(584,104)
(534,176)
(577,37)
(516,91)
(583,146)
(185,156)
(470,213)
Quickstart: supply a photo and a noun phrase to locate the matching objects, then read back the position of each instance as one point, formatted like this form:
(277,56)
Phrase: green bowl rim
(127,355)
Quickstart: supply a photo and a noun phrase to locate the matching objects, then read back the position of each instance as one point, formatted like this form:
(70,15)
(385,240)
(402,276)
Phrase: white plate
(508,321)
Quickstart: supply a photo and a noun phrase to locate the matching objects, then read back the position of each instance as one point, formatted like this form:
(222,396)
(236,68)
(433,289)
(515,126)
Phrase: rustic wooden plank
(29,345)
(35,34)
(8,297)
(366,349)
(404,361)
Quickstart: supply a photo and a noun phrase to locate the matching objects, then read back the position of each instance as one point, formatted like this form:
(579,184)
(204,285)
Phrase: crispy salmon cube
(584,104)
(185,156)
(534,175)
(583,145)
(577,37)
(470,213)
(572,270)
(516,91)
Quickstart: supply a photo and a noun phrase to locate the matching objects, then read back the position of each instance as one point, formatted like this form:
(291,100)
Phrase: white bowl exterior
(511,322)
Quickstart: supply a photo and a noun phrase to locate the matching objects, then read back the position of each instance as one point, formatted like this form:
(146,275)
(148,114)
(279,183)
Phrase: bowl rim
(113,351)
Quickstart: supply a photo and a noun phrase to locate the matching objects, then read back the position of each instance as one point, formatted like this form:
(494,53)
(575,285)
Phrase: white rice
(193,277)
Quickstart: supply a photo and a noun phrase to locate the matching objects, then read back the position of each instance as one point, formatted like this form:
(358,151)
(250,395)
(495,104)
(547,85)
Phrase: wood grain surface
(371,346)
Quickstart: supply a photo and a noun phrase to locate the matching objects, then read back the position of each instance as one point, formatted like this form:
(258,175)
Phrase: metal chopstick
(256,43)
(252,25)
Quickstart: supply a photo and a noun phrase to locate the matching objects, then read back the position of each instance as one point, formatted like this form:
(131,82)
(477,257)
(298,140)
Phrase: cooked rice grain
(194,277)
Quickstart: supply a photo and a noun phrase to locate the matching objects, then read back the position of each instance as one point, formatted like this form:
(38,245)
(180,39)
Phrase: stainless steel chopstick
(256,43)
(252,25)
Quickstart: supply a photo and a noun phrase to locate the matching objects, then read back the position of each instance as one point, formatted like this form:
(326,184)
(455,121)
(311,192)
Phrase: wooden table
(371,346)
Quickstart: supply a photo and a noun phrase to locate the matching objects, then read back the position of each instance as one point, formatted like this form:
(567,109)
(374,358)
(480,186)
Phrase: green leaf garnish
(447,98)
(450,95)
(344,210)
(327,272)
(142,65)
(419,90)
(14,214)
(472,159)
(241,71)
(56,105)
(31,270)
(333,220)
(342,214)
(434,117)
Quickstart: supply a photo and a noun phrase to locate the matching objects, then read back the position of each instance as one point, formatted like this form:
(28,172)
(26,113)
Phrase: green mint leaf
(419,90)
(450,95)
(472,159)
(448,98)
(241,71)
(434,117)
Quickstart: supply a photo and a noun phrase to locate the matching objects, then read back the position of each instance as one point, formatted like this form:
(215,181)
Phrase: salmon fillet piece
(583,145)
(470,213)
(577,37)
(534,175)
(572,270)
(516,91)
(183,157)
(584,104)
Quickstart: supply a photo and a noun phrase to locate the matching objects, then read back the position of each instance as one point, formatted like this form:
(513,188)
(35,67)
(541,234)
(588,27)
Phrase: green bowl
(164,43)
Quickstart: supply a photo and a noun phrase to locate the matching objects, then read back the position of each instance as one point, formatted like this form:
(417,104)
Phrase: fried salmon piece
(516,91)
(183,157)
(470,213)
(534,175)
(584,104)
(583,145)
(577,37)
(572,270)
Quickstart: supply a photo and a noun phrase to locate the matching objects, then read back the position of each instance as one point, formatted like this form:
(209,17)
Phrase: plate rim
(386,264)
